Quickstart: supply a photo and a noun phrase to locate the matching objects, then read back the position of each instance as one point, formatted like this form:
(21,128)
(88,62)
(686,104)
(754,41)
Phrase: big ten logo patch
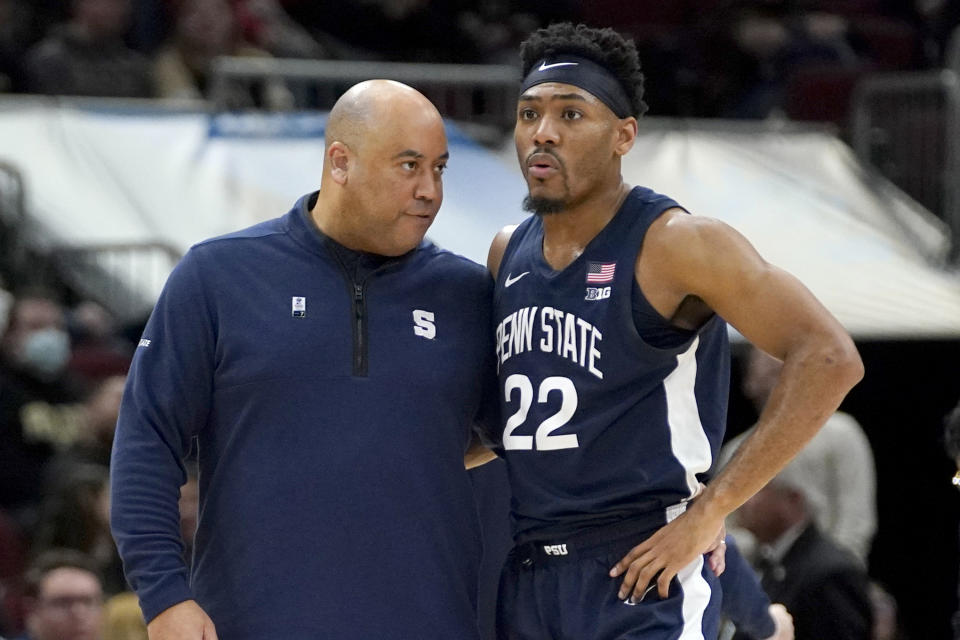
(598,293)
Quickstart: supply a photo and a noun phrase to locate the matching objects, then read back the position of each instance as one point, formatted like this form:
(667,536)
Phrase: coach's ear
(338,157)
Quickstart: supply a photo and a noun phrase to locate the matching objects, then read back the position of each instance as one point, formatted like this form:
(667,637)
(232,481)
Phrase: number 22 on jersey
(544,440)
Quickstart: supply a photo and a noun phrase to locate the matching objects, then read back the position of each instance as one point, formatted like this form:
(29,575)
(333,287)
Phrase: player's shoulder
(505,233)
(685,236)
(676,222)
(499,247)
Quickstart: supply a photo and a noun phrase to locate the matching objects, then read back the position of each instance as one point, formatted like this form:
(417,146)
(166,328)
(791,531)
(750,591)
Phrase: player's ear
(626,133)
(338,155)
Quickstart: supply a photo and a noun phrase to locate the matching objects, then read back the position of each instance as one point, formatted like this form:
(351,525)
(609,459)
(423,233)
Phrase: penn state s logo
(423,324)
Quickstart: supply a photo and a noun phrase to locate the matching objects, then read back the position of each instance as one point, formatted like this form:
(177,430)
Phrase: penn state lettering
(549,330)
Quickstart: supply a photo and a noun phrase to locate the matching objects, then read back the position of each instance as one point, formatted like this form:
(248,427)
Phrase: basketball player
(610,308)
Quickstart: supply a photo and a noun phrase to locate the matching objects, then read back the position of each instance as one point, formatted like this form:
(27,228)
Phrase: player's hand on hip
(717,554)
(666,552)
(183,621)
(783,620)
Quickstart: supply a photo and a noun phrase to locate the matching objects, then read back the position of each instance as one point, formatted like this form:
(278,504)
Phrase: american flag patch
(600,271)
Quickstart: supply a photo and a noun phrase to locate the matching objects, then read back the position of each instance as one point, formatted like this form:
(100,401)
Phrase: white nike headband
(583,73)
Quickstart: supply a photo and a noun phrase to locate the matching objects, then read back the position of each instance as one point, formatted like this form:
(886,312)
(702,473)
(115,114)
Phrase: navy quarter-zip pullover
(331,416)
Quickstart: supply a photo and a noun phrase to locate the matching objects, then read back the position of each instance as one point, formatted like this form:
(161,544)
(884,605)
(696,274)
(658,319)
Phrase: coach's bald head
(385,152)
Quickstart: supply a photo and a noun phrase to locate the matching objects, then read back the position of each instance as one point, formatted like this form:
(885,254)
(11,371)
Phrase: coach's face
(568,144)
(394,183)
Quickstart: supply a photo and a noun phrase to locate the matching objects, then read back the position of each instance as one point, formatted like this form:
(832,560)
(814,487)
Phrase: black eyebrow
(410,153)
(559,96)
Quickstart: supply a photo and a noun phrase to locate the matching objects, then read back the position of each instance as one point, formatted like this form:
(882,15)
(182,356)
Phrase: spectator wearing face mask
(34,352)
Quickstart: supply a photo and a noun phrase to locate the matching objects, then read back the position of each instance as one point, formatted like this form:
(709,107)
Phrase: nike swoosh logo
(510,280)
(544,66)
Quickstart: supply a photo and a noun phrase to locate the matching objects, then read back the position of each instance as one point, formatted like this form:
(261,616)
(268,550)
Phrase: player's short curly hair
(606,47)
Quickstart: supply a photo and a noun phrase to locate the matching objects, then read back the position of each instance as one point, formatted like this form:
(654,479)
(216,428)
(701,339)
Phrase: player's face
(566,144)
(395,182)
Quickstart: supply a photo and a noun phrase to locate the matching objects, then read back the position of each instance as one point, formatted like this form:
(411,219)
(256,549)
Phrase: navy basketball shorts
(562,590)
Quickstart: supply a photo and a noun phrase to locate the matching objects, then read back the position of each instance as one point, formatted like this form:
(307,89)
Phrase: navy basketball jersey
(608,412)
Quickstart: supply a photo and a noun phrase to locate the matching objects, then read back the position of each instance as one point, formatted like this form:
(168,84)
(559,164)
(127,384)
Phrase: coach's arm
(165,403)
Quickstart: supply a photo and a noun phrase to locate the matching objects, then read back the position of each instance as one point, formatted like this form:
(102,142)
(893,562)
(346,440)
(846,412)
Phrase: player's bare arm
(477,455)
(497,248)
(688,267)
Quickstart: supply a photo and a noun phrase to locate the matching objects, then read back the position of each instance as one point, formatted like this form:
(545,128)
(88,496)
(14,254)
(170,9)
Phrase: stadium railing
(12,217)
(124,277)
(482,95)
(907,126)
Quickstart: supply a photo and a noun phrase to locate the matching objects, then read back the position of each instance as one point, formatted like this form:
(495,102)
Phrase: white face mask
(45,352)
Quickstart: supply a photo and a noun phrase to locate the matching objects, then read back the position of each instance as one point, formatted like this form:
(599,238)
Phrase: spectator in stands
(951,438)
(936,21)
(13,557)
(65,597)
(34,352)
(75,515)
(6,303)
(265,24)
(762,46)
(205,29)
(746,608)
(123,619)
(823,586)
(404,30)
(92,424)
(98,349)
(87,56)
(497,31)
(841,489)
(15,19)
(885,623)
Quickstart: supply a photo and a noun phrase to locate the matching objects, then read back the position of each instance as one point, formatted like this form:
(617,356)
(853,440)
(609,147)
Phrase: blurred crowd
(62,373)
(63,366)
(703,58)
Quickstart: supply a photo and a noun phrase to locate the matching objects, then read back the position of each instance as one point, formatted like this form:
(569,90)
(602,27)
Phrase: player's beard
(538,205)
